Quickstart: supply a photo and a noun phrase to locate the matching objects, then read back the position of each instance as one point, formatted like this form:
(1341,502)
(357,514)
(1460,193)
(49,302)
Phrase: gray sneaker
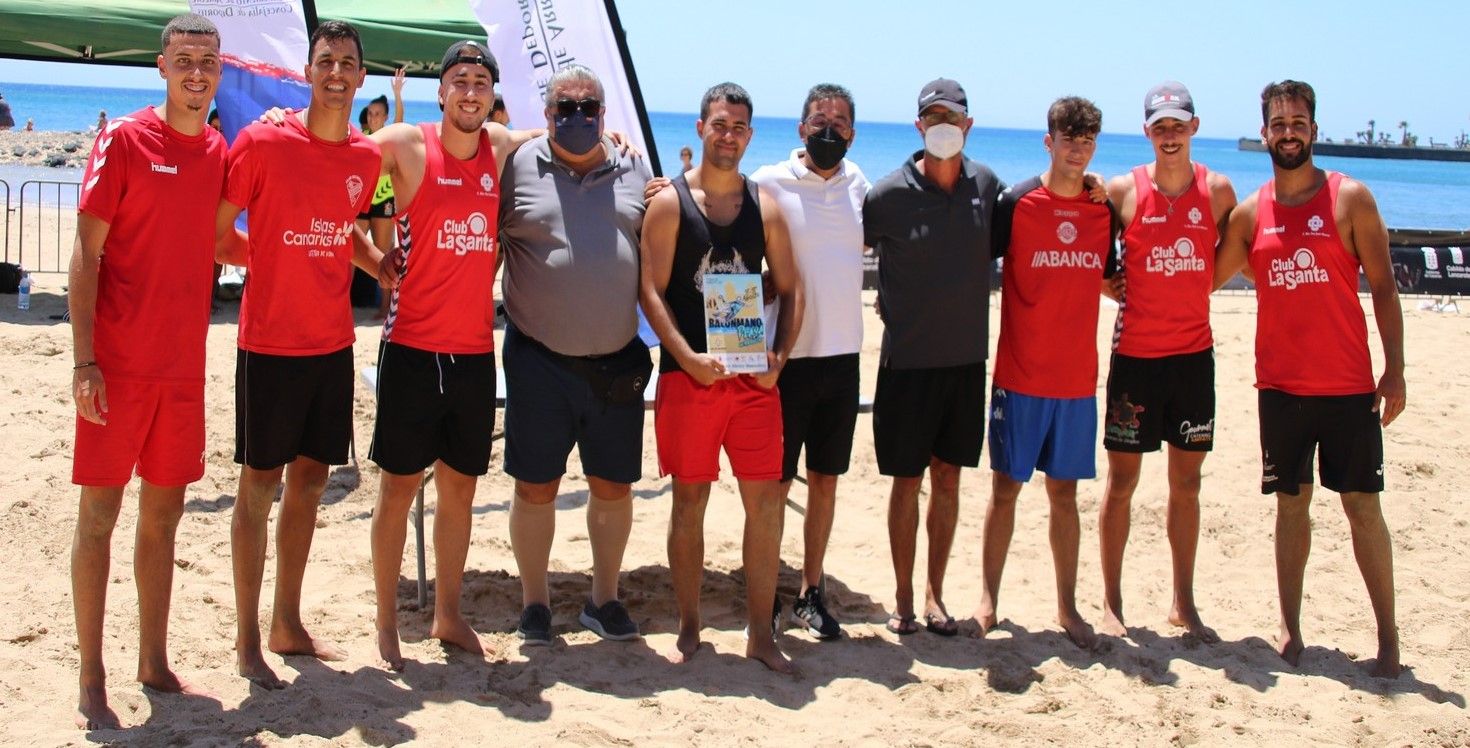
(611,621)
(535,627)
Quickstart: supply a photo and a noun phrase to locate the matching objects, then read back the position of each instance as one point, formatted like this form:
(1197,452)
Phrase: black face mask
(825,148)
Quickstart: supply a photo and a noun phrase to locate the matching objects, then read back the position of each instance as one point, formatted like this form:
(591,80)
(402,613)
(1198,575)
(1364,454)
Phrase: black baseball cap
(471,52)
(1168,99)
(946,93)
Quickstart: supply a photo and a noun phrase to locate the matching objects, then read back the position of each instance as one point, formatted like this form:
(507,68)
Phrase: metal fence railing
(5,237)
(47,218)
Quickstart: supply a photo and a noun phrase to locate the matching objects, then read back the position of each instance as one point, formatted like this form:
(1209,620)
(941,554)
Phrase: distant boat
(1364,150)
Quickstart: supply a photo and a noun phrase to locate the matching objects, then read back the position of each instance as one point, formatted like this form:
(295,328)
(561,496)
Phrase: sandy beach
(1024,685)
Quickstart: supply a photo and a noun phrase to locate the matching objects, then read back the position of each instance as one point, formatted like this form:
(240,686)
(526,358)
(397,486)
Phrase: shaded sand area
(1024,685)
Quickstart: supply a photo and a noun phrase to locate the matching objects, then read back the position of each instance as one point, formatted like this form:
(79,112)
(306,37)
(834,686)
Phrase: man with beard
(140,319)
(1161,382)
(304,185)
(715,221)
(929,223)
(575,368)
(821,193)
(436,363)
(1304,236)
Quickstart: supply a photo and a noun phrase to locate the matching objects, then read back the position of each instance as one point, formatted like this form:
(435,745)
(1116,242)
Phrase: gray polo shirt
(934,255)
(570,245)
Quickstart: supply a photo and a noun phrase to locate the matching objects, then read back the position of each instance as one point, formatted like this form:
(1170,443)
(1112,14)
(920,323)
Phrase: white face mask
(944,141)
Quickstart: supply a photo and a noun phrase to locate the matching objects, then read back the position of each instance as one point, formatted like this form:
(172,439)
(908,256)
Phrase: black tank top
(706,247)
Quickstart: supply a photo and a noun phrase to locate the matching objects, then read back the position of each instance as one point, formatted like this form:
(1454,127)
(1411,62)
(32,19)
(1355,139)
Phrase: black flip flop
(943,625)
(905,625)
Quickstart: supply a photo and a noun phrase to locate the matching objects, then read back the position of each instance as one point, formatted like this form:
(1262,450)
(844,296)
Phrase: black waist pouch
(617,378)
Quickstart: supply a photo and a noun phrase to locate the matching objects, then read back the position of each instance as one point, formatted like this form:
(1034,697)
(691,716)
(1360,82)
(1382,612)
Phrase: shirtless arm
(1370,241)
(1235,243)
(88,388)
(230,246)
(1125,203)
(787,287)
(656,251)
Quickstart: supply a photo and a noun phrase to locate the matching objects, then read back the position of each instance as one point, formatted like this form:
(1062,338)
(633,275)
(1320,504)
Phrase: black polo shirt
(934,256)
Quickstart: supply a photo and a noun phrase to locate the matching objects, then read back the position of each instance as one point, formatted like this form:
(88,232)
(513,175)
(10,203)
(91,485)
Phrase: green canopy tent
(125,32)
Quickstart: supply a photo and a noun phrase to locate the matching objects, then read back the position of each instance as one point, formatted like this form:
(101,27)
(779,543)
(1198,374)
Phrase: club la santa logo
(1184,247)
(1066,232)
(354,188)
(1299,269)
(1195,215)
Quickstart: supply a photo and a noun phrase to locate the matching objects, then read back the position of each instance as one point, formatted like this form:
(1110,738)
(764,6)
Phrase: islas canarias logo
(1179,257)
(472,234)
(321,238)
(1299,269)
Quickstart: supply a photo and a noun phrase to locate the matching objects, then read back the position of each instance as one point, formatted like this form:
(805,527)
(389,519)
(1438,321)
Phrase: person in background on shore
(30,124)
(377,221)
(303,185)
(138,371)
(7,120)
(101,120)
(1303,237)
(1058,247)
(686,159)
(571,213)
(929,222)
(1161,381)
(820,193)
(498,113)
(214,121)
(715,221)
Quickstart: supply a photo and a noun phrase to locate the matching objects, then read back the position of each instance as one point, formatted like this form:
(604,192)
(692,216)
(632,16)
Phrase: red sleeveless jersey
(444,299)
(1311,335)
(1169,263)
(1056,255)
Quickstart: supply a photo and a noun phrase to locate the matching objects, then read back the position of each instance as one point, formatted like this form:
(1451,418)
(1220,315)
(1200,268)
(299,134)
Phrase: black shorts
(924,413)
(292,406)
(384,209)
(1167,399)
(819,406)
(549,407)
(1341,430)
(433,406)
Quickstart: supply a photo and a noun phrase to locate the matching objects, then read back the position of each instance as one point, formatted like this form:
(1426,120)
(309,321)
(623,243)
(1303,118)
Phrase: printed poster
(734,330)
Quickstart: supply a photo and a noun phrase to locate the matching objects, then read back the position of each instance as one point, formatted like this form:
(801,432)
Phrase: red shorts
(155,427)
(692,423)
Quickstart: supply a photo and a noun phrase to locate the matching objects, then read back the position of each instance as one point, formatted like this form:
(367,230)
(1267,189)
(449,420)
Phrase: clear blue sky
(1379,59)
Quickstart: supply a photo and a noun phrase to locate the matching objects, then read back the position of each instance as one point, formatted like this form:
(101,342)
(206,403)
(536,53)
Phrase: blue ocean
(1411,194)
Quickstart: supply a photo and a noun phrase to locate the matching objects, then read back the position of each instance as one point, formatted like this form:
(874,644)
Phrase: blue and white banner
(265,51)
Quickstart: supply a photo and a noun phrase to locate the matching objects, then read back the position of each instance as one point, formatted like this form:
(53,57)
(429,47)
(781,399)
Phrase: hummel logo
(162,169)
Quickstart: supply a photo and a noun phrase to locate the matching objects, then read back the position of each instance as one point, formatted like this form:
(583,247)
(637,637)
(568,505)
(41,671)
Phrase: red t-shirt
(303,195)
(1057,251)
(1311,334)
(1169,261)
(158,190)
(444,298)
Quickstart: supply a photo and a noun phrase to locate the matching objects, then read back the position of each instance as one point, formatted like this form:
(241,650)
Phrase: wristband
(84,365)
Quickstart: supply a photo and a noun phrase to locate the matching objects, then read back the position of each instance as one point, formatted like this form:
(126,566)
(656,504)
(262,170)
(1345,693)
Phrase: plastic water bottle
(23,298)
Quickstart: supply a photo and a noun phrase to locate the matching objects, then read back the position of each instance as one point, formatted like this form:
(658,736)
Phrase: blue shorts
(1054,435)
(549,408)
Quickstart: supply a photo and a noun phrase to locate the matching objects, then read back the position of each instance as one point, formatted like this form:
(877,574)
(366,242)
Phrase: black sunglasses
(589,107)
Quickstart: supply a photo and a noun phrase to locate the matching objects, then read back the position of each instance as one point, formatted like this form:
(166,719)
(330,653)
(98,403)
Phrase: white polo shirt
(825,217)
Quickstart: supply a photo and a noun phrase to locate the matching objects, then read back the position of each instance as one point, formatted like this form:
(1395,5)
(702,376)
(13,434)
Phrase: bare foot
(770,655)
(685,647)
(251,666)
(456,632)
(1387,663)
(165,681)
(286,642)
(93,713)
(1289,647)
(1077,630)
(388,650)
(982,622)
(1192,625)
(1112,624)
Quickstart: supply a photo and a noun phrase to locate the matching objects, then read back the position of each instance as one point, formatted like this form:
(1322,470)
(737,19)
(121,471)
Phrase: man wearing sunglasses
(821,195)
(436,366)
(575,368)
(929,223)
